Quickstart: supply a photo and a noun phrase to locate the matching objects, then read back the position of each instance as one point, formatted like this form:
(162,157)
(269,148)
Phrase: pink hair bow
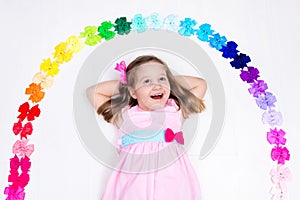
(14,194)
(170,136)
(21,147)
(121,67)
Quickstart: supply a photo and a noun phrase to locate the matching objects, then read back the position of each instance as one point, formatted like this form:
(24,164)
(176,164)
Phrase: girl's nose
(156,85)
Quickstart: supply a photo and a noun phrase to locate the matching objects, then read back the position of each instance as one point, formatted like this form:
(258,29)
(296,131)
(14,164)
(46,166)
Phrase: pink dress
(152,169)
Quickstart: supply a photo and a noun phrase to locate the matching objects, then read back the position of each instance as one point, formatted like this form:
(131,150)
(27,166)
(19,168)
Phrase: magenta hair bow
(170,136)
(121,67)
(14,194)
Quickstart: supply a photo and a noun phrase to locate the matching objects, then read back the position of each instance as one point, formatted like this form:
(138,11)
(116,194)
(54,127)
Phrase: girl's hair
(185,100)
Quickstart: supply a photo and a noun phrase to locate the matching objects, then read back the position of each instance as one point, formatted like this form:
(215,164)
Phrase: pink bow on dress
(170,136)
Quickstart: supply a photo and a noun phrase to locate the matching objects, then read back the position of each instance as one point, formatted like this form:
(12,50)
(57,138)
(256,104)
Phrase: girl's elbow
(90,94)
(202,88)
(88,91)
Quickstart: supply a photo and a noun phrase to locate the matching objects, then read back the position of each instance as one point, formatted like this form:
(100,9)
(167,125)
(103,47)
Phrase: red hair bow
(30,113)
(24,130)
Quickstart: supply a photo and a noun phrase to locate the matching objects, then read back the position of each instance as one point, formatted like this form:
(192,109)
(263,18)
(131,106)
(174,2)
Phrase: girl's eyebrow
(143,77)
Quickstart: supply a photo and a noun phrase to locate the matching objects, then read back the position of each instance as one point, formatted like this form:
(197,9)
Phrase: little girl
(148,106)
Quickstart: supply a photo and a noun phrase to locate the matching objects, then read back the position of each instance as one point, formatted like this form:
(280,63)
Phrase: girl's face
(152,87)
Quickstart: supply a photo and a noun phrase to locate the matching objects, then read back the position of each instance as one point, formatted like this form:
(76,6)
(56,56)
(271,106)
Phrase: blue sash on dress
(143,136)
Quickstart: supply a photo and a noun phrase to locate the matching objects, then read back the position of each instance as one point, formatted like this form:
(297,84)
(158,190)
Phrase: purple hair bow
(121,67)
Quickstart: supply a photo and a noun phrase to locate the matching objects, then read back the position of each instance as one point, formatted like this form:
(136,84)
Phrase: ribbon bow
(21,147)
(170,136)
(18,180)
(26,130)
(14,194)
(30,113)
(122,68)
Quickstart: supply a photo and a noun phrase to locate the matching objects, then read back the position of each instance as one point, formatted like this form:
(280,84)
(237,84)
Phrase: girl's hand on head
(197,86)
(102,92)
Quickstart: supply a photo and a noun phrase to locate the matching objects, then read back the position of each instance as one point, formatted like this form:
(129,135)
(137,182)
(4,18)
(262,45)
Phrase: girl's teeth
(156,96)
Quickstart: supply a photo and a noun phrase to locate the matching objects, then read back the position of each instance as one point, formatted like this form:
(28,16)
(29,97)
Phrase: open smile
(157,96)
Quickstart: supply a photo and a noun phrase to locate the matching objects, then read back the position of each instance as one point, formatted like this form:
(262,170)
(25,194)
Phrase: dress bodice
(136,119)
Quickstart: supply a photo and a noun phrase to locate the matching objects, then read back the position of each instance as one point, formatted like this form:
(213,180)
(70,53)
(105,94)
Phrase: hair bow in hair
(170,136)
(121,67)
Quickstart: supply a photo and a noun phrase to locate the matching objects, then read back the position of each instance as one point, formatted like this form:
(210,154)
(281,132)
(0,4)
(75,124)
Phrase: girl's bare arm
(100,93)
(195,85)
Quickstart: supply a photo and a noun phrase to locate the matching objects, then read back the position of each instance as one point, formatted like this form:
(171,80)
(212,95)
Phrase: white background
(239,166)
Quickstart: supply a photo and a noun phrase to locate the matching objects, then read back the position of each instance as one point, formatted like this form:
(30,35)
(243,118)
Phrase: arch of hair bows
(92,35)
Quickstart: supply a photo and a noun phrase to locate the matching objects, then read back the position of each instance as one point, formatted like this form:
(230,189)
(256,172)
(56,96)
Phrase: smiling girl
(148,106)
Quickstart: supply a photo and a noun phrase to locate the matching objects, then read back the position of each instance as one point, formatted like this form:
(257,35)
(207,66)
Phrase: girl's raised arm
(100,93)
(195,85)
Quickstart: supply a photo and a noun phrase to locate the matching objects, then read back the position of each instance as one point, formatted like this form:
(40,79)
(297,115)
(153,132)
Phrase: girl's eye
(147,81)
(162,78)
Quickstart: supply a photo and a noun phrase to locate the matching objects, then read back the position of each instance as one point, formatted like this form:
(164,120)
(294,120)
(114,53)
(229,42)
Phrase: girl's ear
(132,92)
